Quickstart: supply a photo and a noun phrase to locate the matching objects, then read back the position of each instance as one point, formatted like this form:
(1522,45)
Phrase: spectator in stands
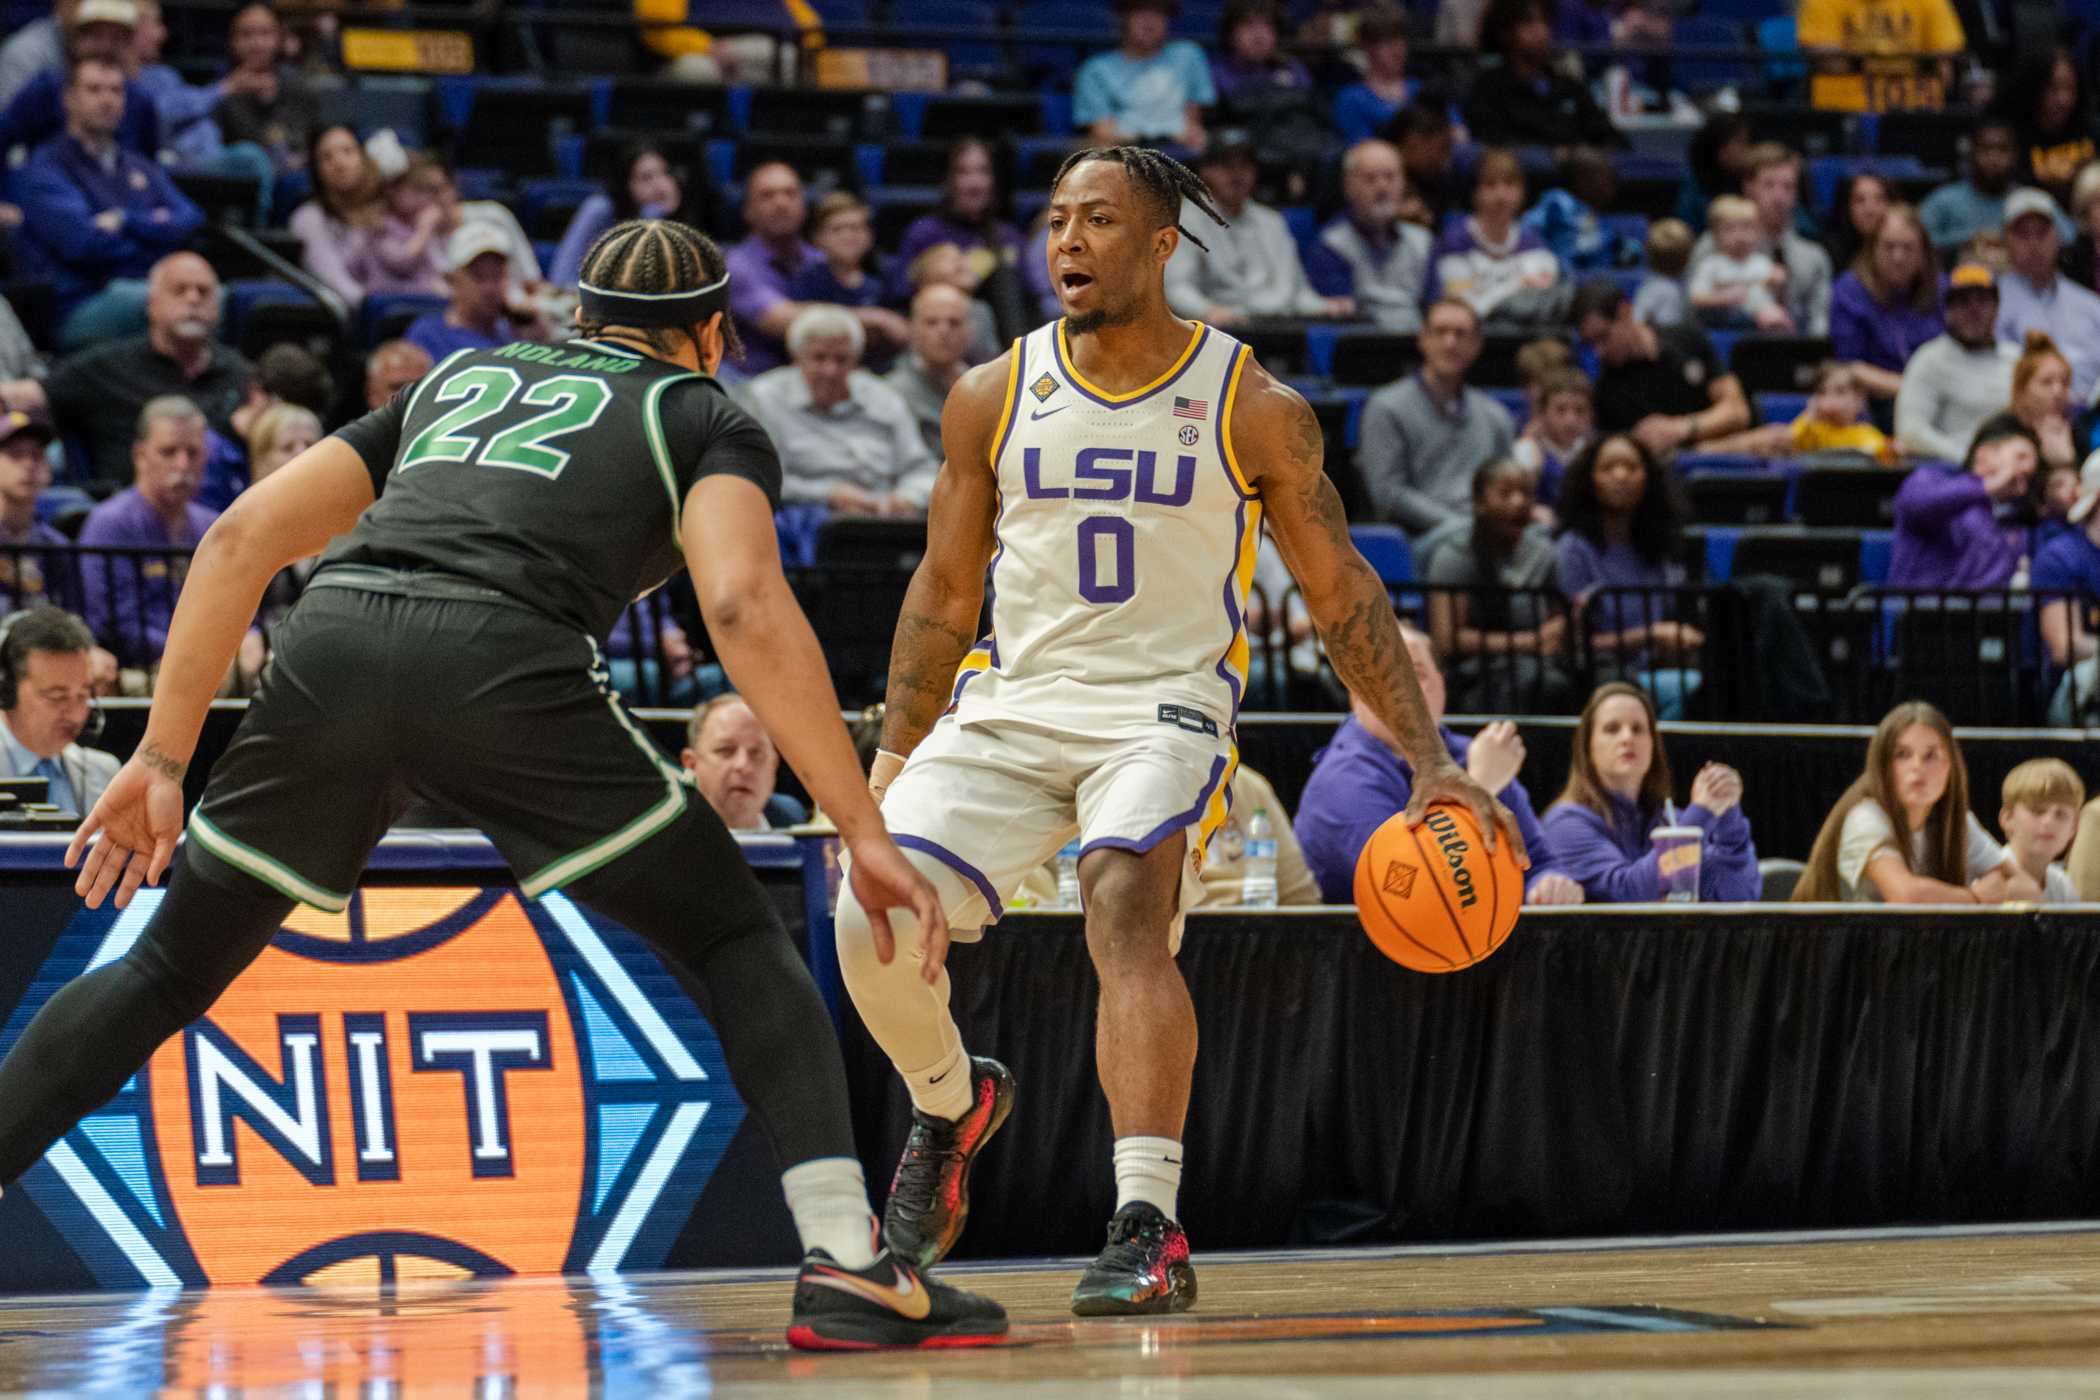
(27,578)
(1948,531)
(1887,305)
(268,104)
(18,354)
(1956,212)
(968,220)
(476,317)
(408,249)
(1621,525)
(98,217)
(1663,298)
(37,45)
(2052,117)
(51,657)
(1879,57)
(2038,813)
(1523,101)
(1663,384)
(1509,632)
(1568,218)
(1149,87)
(391,368)
(2081,260)
(2050,497)
(528,286)
(1249,268)
(2084,861)
(97,394)
(730,758)
(940,333)
(762,266)
(1834,421)
(1494,264)
(184,113)
(1618,792)
(105,31)
(1361,779)
(840,229)
(1249,61)
(1369,251)
(1363,109)
(1427,138)
(1862,201)
(129,600)
(945,265)
(2065,581)
(1423,436)
(1733,280)
(278,434)
(2034,296)
(1716,165)
(1955,382)
(1555,436)
(2041,402)
(645,185)
(1903,832)
(1772,181)
(847,440)
(288,373)
(336,226)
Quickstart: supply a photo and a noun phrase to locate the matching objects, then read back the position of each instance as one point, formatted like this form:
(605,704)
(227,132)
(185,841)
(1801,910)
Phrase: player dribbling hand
(138,818)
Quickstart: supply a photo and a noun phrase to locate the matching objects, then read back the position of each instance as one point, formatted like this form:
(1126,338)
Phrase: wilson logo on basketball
(434,1083)
(1454,845)
(1400,878)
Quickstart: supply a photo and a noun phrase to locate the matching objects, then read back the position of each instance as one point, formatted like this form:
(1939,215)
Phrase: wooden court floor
(1997,1311)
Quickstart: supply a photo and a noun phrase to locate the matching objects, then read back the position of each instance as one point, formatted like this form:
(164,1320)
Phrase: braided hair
(1161,181)
(656,256)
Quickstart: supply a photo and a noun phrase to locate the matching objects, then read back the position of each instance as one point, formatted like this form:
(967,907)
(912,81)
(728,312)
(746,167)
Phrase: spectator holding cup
(1614,829)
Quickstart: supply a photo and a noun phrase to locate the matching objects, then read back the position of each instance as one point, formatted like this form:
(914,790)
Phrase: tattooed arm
(1278,443)
(939,620)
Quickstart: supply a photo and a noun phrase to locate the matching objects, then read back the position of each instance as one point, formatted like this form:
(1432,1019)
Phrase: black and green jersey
(554,474)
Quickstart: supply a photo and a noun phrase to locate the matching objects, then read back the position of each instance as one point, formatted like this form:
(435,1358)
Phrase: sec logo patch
(434,1083)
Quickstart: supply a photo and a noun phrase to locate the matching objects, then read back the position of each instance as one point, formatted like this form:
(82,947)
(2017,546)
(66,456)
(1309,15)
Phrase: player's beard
(1089,322)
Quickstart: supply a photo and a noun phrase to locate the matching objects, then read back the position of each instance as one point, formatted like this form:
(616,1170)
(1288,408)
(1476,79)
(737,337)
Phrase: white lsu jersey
(1126,540)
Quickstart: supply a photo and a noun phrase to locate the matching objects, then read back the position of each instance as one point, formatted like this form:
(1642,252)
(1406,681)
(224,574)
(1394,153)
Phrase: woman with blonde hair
(279,433)
(1903,832)
(1619,791)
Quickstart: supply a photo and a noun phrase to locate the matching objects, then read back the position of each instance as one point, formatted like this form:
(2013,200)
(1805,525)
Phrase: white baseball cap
(2028,200)
(473,238)
(122,12)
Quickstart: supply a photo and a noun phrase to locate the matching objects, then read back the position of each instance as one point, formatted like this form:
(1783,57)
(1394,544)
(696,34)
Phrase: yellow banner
(408,50)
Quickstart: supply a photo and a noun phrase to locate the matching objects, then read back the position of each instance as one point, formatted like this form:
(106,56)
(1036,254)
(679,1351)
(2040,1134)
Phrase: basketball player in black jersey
(482,532)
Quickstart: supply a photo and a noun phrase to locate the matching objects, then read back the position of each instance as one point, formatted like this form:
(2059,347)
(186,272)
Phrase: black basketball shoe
(888,1304)
(930,1194)
(1143,1269)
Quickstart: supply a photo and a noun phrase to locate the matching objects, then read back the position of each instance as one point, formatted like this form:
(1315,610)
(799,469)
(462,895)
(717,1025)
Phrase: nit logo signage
(434,1083)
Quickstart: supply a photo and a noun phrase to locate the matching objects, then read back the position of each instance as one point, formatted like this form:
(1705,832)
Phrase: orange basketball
(1431,897)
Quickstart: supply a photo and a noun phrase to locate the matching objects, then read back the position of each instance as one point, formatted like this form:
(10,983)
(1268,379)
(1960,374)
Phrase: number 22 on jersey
(572,402)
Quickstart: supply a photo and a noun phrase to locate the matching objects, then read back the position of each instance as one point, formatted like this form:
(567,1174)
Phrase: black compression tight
(686,890)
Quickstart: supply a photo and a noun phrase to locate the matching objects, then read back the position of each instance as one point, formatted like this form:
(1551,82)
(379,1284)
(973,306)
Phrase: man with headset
(45,687)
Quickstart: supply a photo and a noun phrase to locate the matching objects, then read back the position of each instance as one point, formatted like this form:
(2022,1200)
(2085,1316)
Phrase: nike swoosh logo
(904,1298)
(1046,412)
(942,1075)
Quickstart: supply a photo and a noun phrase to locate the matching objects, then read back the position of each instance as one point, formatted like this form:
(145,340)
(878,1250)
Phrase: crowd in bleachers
(1604,308)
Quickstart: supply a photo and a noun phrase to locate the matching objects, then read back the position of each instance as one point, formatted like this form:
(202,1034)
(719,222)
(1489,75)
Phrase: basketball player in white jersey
(1111,471)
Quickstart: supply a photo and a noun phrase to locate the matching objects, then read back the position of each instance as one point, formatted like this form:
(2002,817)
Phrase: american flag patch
(1191,408)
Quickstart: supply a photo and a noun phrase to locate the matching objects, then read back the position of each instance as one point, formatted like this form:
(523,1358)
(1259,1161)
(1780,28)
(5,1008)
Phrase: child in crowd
(841,230)
(1735,281)
(1568,220)
(1494,264)
(1536,359)
(1561,419)
(1835,421)
(2056,488)
(1661,299)
(2039,814)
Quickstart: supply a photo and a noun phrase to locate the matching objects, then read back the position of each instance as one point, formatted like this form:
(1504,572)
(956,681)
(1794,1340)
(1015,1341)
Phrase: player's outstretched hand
(134,827)
(884,880)
(1450,783)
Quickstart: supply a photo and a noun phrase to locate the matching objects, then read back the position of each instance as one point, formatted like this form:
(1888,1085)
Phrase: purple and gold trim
(1062,352)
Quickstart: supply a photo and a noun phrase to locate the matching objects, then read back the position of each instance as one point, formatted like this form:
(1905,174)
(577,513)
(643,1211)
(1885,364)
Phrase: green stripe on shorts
(273,873)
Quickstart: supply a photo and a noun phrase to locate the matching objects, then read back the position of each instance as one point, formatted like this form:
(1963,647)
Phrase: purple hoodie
(1948,535)
(1616,864)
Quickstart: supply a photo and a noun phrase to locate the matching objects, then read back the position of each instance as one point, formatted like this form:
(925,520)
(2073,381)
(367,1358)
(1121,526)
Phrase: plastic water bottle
(1068,875)
(1258,882)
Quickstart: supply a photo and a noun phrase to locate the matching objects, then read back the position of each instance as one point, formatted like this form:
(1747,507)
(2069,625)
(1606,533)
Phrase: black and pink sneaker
(888,1304)
(930,1194)
(1143,1269)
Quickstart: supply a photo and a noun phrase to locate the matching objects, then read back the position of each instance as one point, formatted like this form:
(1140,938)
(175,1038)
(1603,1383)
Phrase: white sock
(1148,1169)
(944,1090)
(829,1200)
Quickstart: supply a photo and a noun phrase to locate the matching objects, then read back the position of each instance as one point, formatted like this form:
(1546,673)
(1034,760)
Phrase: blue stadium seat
(1720,462)
(244,295)
(1780,408)
(1385,549)
(970,31)
(1875,547)
(369,104)
(385,315)
(546,204)
(1513,403)
(1706,74)
(1633,228)
(842,11)
(1304,223)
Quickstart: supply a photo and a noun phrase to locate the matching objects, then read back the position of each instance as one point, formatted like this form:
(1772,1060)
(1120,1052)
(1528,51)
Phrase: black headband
(604,307)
